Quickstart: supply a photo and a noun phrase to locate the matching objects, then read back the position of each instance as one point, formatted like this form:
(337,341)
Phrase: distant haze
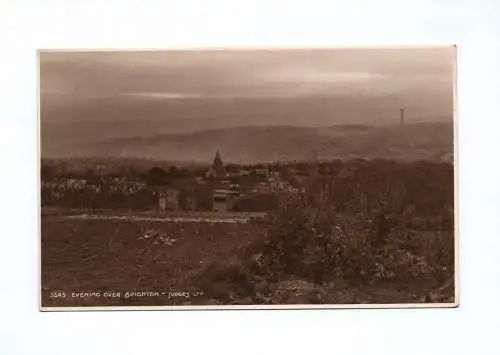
(97,96)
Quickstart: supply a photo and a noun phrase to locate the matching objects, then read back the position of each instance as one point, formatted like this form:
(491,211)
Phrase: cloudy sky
(91,86)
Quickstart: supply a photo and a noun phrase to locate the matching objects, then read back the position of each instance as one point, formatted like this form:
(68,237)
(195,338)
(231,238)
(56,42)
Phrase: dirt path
(153,219)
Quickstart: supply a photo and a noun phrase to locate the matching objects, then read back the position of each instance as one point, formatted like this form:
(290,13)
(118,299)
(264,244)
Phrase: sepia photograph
(248,178)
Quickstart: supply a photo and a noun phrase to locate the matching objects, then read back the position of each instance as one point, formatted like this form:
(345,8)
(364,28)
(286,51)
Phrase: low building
(220,200)
(224,199)
(190,203)
(168,200)
(187,200)
(274,174)
(262,174)
(99,167)
(262,188)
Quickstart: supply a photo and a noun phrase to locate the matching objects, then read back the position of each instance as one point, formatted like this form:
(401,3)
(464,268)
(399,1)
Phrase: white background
(29,25)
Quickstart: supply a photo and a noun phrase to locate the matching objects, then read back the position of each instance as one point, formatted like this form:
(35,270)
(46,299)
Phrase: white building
(223,200)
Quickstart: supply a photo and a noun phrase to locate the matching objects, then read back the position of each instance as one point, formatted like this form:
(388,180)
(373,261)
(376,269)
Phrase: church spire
(218,166)
(218,160)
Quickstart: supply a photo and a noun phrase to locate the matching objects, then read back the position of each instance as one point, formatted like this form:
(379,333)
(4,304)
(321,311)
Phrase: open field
(113,255)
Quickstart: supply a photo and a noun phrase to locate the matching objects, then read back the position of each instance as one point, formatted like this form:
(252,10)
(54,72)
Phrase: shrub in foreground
(321,247)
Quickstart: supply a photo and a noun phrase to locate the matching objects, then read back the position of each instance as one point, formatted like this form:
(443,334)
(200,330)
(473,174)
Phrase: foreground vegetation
(310,256)
(381,233)
(387,237)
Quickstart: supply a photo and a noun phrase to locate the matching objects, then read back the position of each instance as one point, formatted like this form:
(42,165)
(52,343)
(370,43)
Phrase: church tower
(217,169)
(218,165)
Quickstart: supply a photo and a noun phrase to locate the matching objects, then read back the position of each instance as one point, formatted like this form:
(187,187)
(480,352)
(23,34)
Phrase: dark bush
(373,240)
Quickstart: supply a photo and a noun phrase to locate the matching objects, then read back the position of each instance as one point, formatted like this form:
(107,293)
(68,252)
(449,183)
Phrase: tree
(175,172)
(156,176)
(91,176)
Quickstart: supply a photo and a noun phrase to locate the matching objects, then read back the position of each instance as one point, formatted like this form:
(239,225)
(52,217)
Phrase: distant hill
(66,128)
(259,144)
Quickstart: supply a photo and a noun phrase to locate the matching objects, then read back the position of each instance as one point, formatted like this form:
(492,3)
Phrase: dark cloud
(418,77)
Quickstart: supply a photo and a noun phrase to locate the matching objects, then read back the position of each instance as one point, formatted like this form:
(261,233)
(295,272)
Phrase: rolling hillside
(254,144)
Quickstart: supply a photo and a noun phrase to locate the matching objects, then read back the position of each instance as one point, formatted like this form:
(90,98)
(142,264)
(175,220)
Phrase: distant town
(218,187)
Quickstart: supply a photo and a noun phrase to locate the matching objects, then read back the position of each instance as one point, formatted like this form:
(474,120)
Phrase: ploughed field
(103,262)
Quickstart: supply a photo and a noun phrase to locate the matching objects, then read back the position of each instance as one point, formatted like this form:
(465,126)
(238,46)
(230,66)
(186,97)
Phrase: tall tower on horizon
(402,116)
